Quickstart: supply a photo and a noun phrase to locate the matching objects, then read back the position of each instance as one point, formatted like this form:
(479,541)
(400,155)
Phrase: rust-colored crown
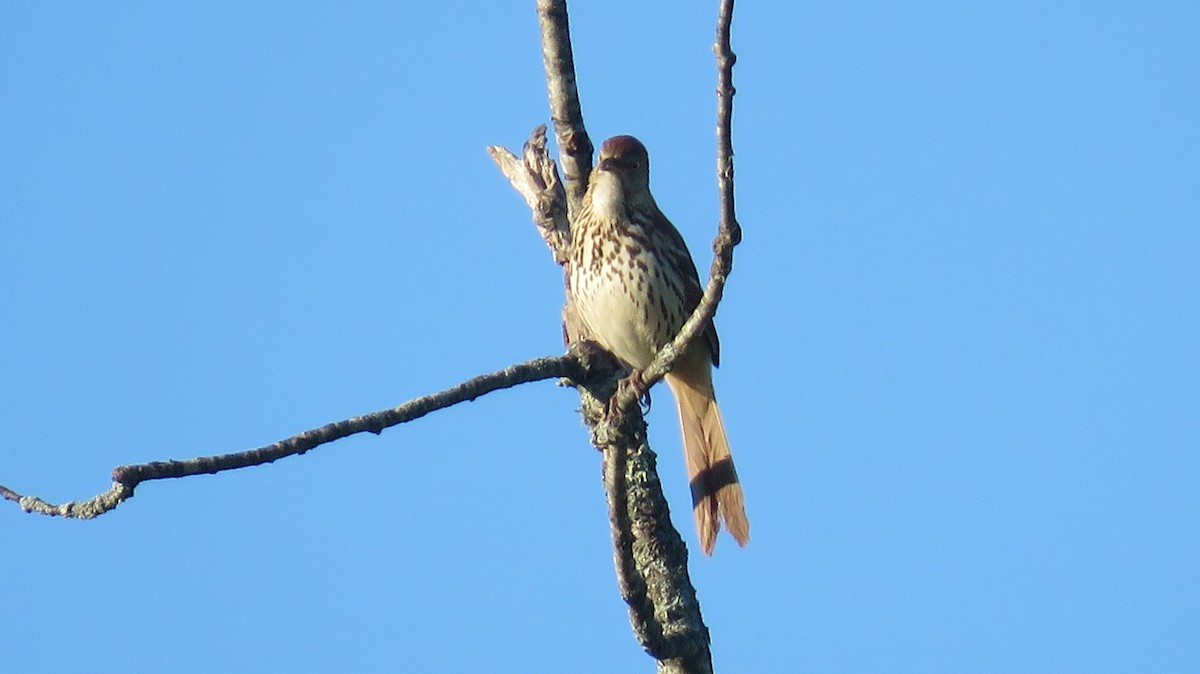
(622,147)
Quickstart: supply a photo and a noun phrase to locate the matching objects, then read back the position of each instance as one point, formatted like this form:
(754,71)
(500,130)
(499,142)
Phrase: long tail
(716,492)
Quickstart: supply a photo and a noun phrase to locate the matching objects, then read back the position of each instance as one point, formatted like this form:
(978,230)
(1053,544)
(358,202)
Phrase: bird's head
(625,157)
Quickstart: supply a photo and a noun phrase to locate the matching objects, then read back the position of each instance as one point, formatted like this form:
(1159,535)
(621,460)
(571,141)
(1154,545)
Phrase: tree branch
(535,177)
(729,232)
(649,555)
(574,146)
(729,226)
(126,478)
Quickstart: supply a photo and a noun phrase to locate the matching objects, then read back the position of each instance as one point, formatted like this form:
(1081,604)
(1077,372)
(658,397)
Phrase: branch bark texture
(649,555)
(574,145)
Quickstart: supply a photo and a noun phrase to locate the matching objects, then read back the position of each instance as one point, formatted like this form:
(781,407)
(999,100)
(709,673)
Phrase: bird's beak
(614,165)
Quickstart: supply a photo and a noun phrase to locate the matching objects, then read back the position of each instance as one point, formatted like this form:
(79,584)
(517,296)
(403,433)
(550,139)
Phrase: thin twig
(126,478)
(729,232)
(725,91)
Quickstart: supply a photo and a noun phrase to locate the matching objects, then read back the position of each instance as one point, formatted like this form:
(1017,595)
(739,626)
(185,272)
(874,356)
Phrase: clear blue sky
(961,363)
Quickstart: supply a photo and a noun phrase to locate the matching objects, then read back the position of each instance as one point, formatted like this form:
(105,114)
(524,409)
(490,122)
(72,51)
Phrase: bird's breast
(620,292)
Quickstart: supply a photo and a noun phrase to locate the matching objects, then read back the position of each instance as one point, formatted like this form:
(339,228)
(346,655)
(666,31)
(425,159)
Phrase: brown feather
(716,492)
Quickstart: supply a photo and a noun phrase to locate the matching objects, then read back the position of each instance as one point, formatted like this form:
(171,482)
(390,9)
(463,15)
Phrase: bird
(633,284)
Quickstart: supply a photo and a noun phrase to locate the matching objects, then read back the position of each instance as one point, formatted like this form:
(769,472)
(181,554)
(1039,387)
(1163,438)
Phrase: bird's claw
(634,385)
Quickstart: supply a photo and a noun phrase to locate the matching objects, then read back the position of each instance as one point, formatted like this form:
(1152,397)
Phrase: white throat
(608,196)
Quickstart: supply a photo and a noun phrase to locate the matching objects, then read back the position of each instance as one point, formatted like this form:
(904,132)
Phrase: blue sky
(959,368)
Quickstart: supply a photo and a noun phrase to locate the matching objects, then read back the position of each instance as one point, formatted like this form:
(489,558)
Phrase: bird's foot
(634,386)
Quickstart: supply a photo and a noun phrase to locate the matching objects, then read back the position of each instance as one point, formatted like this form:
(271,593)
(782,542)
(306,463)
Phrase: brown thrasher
(633,284)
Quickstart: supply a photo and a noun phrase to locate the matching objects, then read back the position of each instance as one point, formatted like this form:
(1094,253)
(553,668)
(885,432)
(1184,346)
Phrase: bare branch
(574,146)
(126,478)
(725,91)
(729,232)
(83,510)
